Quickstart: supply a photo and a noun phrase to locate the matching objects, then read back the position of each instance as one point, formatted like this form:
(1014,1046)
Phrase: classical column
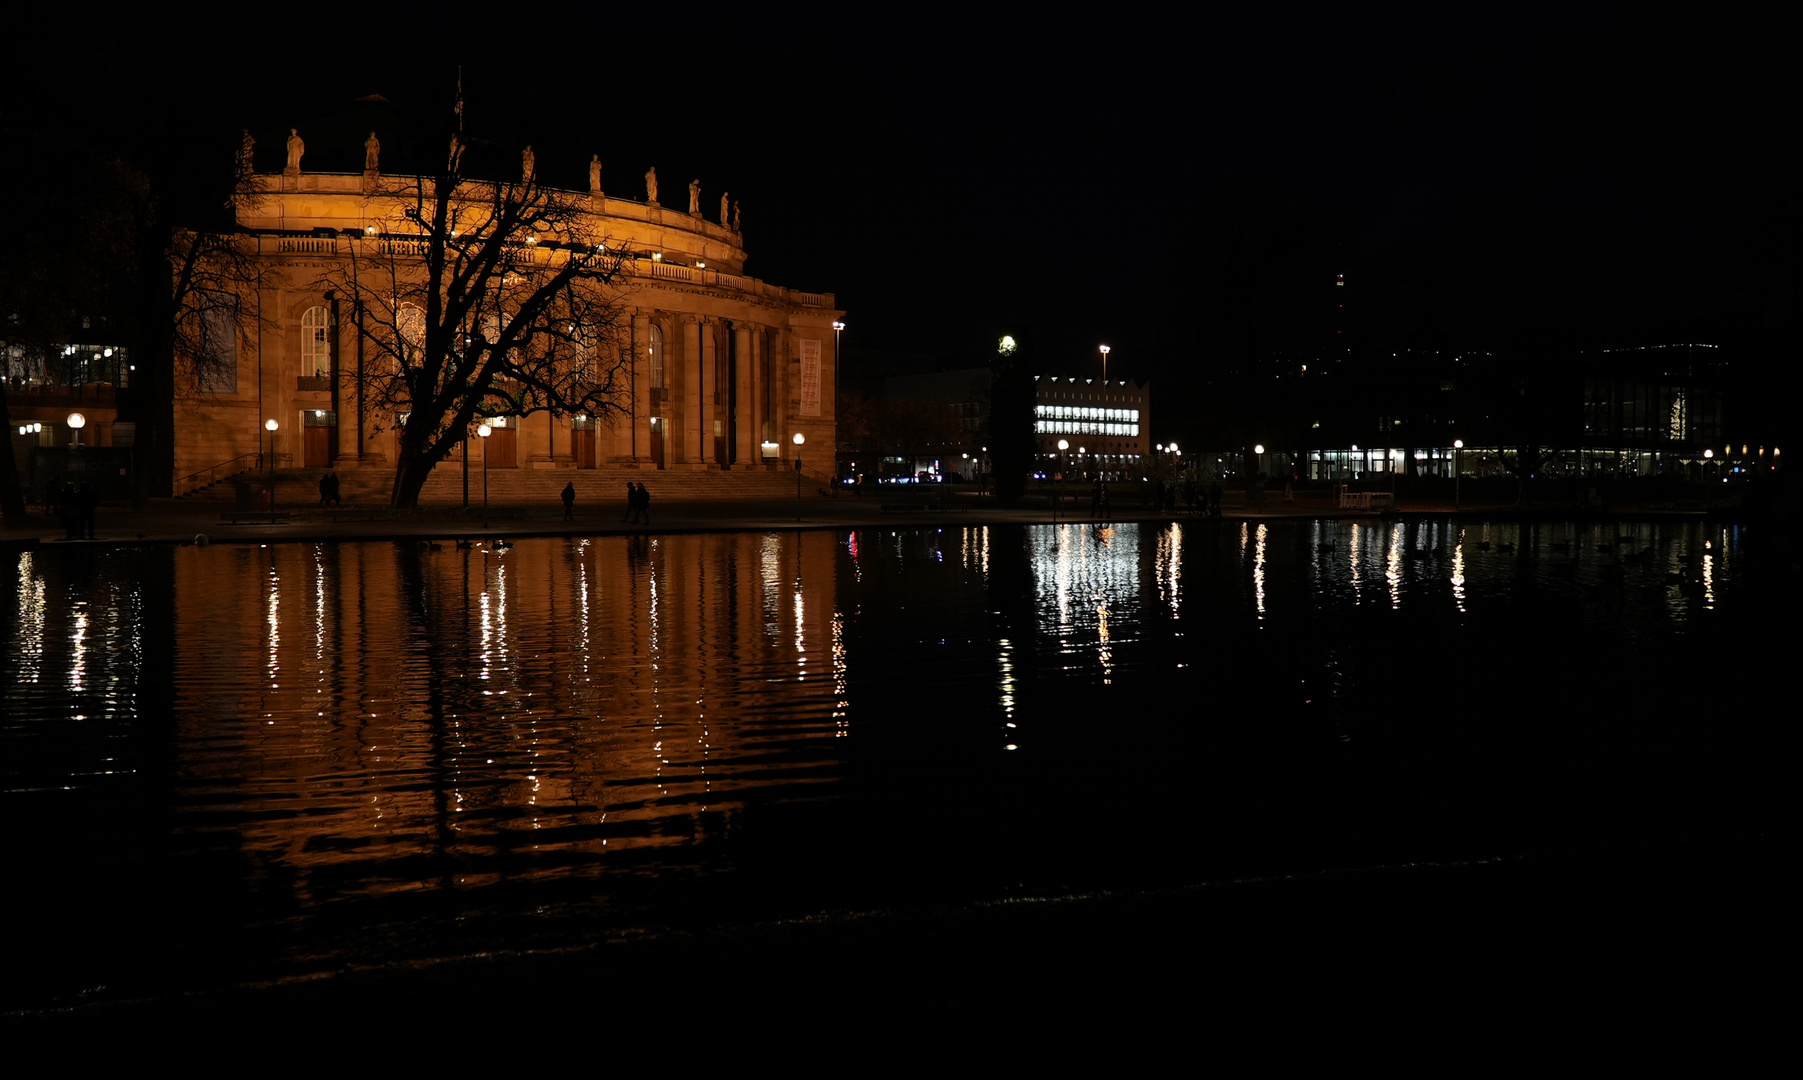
(711,409)
(632,439)
(782,391)
(745,449)
(687,446)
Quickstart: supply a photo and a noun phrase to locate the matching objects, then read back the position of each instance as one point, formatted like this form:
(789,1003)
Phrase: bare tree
(481,300)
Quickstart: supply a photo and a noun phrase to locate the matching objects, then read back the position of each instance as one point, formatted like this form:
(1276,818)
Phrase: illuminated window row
(1089,427)
(1077,412)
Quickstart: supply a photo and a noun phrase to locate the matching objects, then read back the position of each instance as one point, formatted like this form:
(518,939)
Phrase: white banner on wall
(810,377)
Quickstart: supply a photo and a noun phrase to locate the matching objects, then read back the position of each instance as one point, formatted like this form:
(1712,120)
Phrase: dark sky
(1619,173)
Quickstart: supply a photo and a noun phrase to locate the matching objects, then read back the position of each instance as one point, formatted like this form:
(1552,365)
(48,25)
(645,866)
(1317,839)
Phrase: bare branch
(482,300)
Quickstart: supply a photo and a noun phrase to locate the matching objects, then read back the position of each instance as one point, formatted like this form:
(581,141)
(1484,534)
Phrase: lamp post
(1058,490)
(1105,351)
(798,440)
(1257,477)
(270,426)
(838,326)
(76,423)
(1457,477)
(483,432)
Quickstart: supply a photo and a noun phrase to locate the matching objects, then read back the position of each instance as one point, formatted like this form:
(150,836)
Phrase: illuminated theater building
(725,369)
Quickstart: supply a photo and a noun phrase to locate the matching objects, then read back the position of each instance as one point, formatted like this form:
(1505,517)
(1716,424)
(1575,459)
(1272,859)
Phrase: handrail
(229,468)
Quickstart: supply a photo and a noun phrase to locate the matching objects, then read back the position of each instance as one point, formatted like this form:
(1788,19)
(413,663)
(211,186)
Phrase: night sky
(1489,176)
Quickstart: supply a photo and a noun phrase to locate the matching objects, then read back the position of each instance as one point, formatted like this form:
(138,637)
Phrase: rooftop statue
(695,197)
(527,161)
(594,174)
(651,185)
(372,149)
(247,150)
(723,207)
(295,149)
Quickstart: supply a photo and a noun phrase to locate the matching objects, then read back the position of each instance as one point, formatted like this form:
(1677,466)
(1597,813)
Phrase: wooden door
(657,441)
(585,447)
(503,448)
(316,448)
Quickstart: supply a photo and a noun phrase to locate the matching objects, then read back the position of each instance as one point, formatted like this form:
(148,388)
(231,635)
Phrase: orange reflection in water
(523,711)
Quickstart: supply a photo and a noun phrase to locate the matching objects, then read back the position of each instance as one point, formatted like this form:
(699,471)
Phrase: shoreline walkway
(167,521)
(175,521)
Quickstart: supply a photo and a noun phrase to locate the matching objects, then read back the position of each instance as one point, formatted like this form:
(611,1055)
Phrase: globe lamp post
(798,440)
(1457,477)
(270,426)
(1058,490)
(483,432)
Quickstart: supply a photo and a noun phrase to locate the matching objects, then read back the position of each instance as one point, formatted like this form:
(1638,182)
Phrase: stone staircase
(522,487)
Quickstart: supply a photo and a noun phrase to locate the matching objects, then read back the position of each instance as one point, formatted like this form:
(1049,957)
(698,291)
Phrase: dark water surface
(247,763)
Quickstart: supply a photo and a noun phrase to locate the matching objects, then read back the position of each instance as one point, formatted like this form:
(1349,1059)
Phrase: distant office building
(1106,424)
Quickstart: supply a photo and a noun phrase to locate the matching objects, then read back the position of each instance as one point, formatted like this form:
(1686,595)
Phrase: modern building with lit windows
(1106,424)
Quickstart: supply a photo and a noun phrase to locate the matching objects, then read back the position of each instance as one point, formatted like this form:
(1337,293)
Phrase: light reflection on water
(358,721)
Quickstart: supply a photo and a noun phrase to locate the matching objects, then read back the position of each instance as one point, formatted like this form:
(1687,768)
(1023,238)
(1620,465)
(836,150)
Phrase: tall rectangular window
(654,355)
(316,345)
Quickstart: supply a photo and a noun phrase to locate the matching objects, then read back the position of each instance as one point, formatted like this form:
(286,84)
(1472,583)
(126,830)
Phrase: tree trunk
(410,475)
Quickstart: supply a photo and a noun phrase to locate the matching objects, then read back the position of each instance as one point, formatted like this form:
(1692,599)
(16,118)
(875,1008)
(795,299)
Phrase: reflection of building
(725,369)
(567,702)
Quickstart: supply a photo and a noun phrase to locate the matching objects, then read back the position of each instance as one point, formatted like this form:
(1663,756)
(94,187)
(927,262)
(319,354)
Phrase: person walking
(569,501)
(632,504)
(644,505)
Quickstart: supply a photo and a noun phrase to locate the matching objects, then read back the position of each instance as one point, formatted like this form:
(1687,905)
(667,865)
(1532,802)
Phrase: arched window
(316,346)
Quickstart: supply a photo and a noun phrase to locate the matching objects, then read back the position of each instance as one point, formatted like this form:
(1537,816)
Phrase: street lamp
(270,426)
(798,440)
(1457,477)
(838,325)
(76,423)
(1058,490)
(1105,351)
(483,432)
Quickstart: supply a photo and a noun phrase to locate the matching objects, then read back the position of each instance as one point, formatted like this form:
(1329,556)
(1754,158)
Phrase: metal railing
(243,463)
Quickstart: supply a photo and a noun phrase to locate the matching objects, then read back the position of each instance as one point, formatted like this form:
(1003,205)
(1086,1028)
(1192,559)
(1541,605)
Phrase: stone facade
(725,369)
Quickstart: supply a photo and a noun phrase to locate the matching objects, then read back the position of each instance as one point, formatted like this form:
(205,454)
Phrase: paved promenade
(177,521)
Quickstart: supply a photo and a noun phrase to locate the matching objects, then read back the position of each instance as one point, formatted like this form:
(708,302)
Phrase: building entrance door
(317,448)
(317,429)
(503,448)
(584,439)
(657,441)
